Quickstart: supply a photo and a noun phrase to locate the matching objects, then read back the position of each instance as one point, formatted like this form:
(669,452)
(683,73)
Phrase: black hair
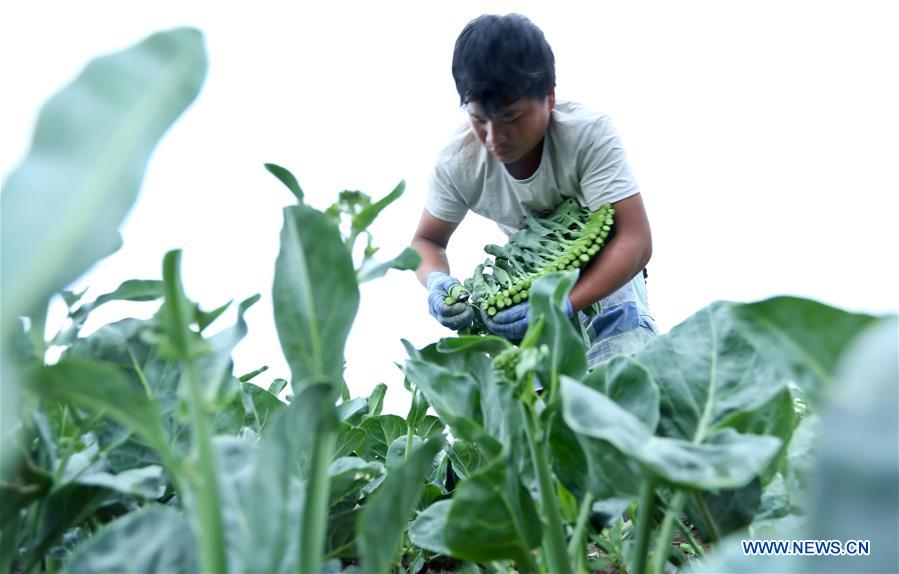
(499,59)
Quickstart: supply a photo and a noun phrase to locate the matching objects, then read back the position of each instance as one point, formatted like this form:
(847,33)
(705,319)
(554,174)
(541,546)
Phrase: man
(522,151)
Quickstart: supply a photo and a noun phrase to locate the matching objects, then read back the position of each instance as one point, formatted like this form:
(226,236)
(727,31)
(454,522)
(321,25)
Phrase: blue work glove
(512,323)
(457,316)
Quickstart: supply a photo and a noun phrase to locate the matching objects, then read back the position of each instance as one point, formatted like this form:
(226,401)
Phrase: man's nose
(495,134)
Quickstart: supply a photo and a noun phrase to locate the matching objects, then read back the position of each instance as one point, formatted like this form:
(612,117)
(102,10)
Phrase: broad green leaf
(247,377)
(352,411)
(858,469)
(261,406)
(429,426)
(455,396)
(376,400)
(730,510)
(777,418)
(407,260)
(726,459)
(436,353)
(467,458)
(778,515)
(146,482)
(459,381)
(104,388)
(733,510)
(276,386)
(276,496)
(803,337)
(567,354)
(349,440)
(856,473)
(396,453)
(438,476)
(62,206)
(504,421)
(490,344)
(417,408)
(583,464)
(131,290)
(492,517)
(706,371)
(60,511)
(218,366)
(287,178)
(369,213)
(340,537)
(234,458)
(315,297)
(427,530)
(206,318)
(383,519)
(154,539)
(630,385)
(349,474)
(379,432)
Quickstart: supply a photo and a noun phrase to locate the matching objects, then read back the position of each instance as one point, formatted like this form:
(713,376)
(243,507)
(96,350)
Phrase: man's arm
(623,257)
(430,242)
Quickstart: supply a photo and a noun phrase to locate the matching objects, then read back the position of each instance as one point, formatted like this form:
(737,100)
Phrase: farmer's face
(513,131)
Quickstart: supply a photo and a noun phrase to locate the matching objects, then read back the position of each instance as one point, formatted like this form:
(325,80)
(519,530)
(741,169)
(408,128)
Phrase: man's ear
(551,99)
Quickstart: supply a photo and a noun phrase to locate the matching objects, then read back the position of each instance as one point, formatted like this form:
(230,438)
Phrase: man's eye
(510,120)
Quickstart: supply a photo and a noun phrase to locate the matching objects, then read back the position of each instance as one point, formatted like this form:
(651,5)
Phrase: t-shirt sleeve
(444,200)
(606,176)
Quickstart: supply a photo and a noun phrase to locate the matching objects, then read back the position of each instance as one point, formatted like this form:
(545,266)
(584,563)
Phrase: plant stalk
(315,513)
(577,549)
(576,544)
(707,517)
(206,489)
(644,525)
(697,548)
(409,435)
(663,541)
(553,533)
(409,431)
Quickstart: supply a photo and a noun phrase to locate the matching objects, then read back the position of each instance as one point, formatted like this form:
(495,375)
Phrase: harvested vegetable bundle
(567,238)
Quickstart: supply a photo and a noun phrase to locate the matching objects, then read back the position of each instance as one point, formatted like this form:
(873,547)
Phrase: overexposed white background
(763,136)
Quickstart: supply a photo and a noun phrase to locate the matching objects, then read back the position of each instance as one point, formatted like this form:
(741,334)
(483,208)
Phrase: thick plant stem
(644,525)
(576,545)
(663,541)
(690,539)
(553,533)
(315,512)
(409,436)
(410,432)
(707,517)
(206,489)
(204,483)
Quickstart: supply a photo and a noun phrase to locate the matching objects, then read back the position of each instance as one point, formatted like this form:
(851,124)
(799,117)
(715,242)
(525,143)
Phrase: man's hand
(457,316)
(512,323)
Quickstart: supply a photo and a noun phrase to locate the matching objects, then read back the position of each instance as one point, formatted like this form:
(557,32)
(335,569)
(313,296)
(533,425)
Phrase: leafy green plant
(141,449)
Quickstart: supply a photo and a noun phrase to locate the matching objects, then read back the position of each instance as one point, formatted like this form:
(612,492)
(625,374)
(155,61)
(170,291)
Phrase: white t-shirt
(582,158)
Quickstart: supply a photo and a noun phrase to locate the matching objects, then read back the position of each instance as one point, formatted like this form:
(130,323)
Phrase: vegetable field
(141,450)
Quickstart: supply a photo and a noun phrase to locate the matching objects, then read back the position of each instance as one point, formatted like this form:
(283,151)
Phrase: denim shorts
(623,324)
